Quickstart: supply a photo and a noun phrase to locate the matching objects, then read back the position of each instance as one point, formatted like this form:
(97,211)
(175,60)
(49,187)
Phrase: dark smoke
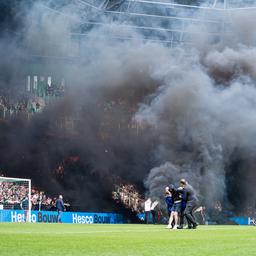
(82,125)
(134,110)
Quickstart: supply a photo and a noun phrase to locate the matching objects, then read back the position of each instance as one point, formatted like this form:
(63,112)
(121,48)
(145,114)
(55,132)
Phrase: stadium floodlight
(15,194)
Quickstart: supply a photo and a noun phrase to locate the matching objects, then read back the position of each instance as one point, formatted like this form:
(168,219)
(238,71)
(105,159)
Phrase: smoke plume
(134,111)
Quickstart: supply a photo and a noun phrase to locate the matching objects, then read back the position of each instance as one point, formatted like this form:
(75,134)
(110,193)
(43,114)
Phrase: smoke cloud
(134,111)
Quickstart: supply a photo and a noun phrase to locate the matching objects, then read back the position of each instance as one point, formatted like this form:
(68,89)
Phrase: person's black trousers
(147,217)
(154,216)
(182,215)
(188,213)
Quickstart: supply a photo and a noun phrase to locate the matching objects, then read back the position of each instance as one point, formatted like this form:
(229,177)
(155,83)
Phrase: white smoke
(203,113)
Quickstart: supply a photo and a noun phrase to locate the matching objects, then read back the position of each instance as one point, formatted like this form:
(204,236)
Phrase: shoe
(169,226)
(194,226)
(189,227)
(179,227)
(174,227)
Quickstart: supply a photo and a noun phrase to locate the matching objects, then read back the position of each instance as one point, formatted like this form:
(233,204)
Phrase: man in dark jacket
(191,203)
(60,207)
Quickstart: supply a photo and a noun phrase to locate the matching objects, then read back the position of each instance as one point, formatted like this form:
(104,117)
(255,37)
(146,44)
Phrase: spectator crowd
(129,197)
(20,102)
(23,105)
(13,195)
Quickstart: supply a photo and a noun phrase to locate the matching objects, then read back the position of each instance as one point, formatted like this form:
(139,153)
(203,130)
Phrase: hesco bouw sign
(67,217)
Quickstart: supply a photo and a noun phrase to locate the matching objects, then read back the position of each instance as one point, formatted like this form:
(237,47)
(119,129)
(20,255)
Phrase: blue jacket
(60,205)
(169,203)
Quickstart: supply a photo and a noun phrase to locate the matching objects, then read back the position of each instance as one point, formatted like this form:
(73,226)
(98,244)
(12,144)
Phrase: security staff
(191,203)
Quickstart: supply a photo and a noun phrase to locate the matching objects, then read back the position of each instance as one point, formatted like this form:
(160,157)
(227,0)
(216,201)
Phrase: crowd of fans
(40,201)
(44,90)
(23,105)
(28,102)
(129,197)
(11,193)
(14,195)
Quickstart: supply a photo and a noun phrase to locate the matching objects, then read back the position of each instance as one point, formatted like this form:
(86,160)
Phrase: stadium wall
(67,217)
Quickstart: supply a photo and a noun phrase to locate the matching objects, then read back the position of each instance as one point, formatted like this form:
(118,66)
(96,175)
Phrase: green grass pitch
(72,239)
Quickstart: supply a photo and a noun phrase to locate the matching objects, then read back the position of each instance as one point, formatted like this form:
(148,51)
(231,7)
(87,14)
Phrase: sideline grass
(111,240)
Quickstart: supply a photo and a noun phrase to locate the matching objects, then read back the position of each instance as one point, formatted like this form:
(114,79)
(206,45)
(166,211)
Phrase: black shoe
(189,227)
(194,226)
(180,227)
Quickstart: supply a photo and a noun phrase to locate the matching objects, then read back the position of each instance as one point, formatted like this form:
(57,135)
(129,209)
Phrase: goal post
(15,194)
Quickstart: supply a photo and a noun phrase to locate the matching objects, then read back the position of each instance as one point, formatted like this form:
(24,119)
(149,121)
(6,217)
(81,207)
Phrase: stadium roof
(162,21)
(157,20)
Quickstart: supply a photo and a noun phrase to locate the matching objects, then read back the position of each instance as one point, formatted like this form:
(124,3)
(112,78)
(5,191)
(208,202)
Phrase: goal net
(15,194)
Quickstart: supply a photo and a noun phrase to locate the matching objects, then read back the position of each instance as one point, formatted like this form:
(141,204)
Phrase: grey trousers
(188,213)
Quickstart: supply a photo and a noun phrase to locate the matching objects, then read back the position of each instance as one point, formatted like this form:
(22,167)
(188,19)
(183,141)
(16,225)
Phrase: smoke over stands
(133,111)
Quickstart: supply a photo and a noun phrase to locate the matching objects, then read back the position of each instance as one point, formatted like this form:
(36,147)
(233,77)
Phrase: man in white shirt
(147,209)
